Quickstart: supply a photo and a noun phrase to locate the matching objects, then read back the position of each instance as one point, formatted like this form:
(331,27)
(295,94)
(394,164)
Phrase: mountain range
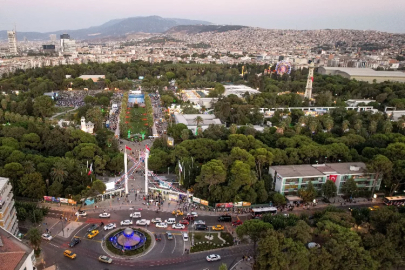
(113,28)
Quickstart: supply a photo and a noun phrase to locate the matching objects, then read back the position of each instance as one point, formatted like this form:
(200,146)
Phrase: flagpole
(146,169)
(126,170)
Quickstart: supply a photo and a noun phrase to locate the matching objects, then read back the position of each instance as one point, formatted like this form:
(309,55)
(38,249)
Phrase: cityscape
(154,142)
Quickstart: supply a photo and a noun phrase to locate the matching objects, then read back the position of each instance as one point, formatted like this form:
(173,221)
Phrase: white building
(12,42)
(189,121)
(86,127)
(356,102)
(67,45)
(14,254)
(8,214)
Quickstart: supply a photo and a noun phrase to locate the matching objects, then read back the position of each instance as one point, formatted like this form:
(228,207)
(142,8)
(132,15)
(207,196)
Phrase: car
(74,242)
(194,214)
(169,236)
(374,208)
(170,221)
(126,222)
(158,237)
(46,236)
(201,227)
(177,212)
(92,234)
(143,222)
(69,254)
(237,223)
(161,225)
(92,227)
(217,228)
(184,222)
(104,215)
(178,226)
(81,213)
(110,226)
(104,259)
(199,222)
(135,215)
(185,237)
(213,258)
(156,220)
(189,218)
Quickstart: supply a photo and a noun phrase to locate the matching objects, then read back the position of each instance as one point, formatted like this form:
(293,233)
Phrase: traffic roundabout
(127,242)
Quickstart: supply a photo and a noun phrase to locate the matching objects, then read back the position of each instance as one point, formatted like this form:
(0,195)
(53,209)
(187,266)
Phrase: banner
(246,204)
(173,197)
(203,202)
(333,178)
(238,204)
(47,198)
(71,201)
(226,205)
(63,200)
(196,200)
(55,199)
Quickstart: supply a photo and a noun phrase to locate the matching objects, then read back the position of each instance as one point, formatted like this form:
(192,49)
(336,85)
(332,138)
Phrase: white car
(143,222)
(126,222)
(105,215)
(213,258)
(81,213)
(46,236)
(135,215)
(156,220)
(110,226)
(194,214)
(178,226)
(199,222)
(161,225)
(170,221)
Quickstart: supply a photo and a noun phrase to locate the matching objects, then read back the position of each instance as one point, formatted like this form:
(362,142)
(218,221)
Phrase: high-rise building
(67,45)
(12,42)
(52,37)
(8,214)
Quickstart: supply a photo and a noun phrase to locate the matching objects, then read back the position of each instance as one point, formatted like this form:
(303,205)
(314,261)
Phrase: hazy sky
(51,15)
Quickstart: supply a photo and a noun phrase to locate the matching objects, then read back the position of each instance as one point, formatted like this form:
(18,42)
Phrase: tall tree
(349,187)
(379,165)
(329,189)
(34,236)
(212,173)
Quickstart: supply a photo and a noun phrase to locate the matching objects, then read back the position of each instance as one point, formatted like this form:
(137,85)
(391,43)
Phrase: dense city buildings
(8,215)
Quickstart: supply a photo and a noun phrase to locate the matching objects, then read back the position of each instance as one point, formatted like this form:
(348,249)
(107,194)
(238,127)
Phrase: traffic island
(128,242)
(209,241)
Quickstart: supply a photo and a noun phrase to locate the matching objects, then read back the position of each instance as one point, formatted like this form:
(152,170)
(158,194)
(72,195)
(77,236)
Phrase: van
(171,221)
(225,218)
(185,237)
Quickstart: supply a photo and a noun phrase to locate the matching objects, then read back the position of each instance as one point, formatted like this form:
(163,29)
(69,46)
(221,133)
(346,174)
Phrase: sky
(52,15)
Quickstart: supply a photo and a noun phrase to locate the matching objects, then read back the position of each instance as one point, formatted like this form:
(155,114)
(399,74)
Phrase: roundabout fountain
(128,240)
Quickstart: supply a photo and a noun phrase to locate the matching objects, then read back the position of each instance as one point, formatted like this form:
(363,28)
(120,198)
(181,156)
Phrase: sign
(204,202)
(71,201)
(55,199)
(47,198)
(238,204)
(333,178)
(163,184)
(196,200)
(173,197)
(224,205)
(63,200)
(246,204)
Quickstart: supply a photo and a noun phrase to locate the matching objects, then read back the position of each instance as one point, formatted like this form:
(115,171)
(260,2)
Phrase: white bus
(258,212)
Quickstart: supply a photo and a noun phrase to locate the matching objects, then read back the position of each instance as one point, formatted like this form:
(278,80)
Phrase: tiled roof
(13,253)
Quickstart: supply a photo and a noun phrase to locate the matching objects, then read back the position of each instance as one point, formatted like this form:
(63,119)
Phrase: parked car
(74,242)
(143,222)
(110,226)
(178,226)
(69,254)
(105,259)
(126,222)
(135,215)
(46,236)
(104,215)
(161,225)
(213,258)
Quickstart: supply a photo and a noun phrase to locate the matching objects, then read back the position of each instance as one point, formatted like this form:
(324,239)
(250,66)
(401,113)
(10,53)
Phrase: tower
(308,88)
(83,124)
(12,42)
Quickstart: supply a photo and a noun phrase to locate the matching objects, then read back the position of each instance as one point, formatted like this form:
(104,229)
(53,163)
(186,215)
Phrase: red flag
(312,78)
(333,178)
(147,148)
(126,147)
(91,168)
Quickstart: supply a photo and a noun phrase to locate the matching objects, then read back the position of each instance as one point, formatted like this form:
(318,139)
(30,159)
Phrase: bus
(395,200)
(260,211)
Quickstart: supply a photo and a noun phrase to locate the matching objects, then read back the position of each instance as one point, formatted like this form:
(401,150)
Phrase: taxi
(178,212)
(92,234)
(218,228)
(69,254)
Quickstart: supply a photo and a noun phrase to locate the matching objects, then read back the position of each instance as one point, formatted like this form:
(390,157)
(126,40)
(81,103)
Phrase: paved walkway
(242,265)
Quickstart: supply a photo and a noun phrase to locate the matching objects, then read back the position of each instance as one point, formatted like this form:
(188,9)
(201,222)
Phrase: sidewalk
(242,265)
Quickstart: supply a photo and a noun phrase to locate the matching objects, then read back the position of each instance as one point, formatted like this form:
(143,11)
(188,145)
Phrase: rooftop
(3,182)
(13,252)
(366,72)
(320,169)
(188,119)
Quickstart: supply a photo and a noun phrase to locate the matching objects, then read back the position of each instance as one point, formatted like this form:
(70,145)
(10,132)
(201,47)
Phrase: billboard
(63,200)
(226,205)
(58,200)
(204,202)
(173,197)
(196,200)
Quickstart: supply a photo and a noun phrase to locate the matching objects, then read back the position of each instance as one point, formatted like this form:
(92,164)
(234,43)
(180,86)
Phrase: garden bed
(202,244)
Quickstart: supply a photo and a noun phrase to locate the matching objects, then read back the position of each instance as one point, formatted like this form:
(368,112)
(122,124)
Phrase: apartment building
(14,254)
(8,214)
(290,178)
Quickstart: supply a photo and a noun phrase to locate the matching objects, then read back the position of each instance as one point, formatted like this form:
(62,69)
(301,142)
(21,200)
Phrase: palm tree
(59,172)
(34,236)
(198,120)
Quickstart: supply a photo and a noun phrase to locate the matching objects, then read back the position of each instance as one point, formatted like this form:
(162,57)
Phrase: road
(163,253)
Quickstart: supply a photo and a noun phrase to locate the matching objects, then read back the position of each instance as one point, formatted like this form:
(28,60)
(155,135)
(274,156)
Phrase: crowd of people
(113,118)
(72,98)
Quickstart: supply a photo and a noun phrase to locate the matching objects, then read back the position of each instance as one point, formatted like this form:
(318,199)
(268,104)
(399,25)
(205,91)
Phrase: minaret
(83,124)
(308,89)
(126,171)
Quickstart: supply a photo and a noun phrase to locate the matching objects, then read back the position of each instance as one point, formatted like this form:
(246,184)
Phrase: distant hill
(194,29)
(113,28)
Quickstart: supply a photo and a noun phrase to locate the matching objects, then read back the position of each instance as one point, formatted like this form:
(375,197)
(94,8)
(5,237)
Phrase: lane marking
(174,244)
(164,244)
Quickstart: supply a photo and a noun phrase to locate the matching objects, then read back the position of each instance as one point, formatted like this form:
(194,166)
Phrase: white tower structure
(146,170)
(126,171)
(83,124)
(12,42)
(308,88)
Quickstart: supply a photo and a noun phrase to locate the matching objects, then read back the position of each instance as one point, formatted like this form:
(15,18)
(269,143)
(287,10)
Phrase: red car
(184,222)
(189,218)
(237,223)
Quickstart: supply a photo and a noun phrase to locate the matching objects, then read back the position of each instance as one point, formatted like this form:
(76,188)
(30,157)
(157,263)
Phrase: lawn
(136,124)
(201,243)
